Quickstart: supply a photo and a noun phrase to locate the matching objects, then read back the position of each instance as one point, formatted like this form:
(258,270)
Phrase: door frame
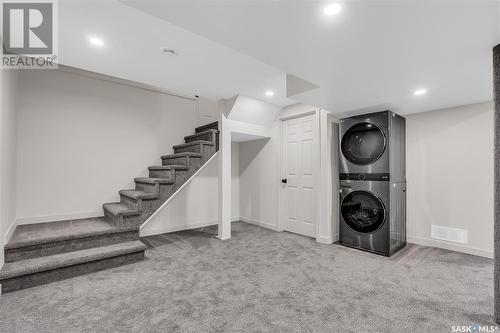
(329,186)
(316,165)
(333,185)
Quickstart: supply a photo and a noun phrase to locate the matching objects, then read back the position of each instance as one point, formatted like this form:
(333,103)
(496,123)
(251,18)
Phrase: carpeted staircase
(47,252)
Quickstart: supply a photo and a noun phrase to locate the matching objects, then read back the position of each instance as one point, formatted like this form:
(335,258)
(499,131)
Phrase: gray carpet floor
(261,281)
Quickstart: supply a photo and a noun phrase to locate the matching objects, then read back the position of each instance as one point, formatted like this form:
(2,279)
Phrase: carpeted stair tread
(212,125)
(167,167)
(117,208)
(194,143)
(138,194)
(148,180)
(35,265)
(185,154)
(42,233)
(209,131)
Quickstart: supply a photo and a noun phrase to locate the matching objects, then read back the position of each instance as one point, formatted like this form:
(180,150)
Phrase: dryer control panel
(365,176)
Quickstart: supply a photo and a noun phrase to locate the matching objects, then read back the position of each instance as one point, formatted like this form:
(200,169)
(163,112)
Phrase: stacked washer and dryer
(373,182)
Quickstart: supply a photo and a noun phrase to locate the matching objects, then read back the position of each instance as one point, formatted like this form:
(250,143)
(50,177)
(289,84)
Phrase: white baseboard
(10,232)
(58,217)
(260,223)
(6,238)
(450,246)
(174,228)
(328,240)
(222,238)
(324,240)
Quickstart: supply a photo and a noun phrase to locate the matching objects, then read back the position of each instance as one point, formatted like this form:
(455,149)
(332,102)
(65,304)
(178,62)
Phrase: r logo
(27,28)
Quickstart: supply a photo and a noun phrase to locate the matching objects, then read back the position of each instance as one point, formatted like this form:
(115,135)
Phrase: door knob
(284,180)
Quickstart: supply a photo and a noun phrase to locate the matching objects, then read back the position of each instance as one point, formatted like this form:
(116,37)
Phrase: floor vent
(449,234)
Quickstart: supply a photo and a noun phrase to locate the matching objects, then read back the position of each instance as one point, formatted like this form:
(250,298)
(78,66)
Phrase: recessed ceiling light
(332,9)
(420,92)
(269,93)
(96,41)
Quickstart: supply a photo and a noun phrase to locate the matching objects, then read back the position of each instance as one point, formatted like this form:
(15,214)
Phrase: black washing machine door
(363,143)
(363,211)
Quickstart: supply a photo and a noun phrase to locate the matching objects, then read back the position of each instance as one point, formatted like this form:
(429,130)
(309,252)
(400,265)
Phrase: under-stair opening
(245,149)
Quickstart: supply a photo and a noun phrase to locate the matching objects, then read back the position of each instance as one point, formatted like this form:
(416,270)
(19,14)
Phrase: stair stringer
(144,231)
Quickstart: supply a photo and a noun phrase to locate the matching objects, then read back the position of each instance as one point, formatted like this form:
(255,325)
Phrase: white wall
(259,180)
(81,139)
(235,181)
(450,175)
(208,111)
(241,119)
(8,129)
(252,111)
(260,175)
(194,206)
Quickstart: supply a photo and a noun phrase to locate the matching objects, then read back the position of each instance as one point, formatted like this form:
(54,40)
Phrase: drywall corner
(8,155)
(2,259)
(235,181)
(496,207)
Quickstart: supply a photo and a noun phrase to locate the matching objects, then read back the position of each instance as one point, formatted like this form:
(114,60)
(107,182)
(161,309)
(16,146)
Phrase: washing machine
(373,215)
(372,147)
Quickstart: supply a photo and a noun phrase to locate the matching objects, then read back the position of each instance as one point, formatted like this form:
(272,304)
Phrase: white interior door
(298,165)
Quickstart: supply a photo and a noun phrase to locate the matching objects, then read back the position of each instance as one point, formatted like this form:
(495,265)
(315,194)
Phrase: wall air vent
(449,234)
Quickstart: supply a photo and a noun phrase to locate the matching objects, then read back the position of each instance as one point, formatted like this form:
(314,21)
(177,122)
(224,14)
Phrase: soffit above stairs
(202,67)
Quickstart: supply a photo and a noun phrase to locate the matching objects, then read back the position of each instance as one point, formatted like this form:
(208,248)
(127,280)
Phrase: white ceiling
(132,41)
(372,55)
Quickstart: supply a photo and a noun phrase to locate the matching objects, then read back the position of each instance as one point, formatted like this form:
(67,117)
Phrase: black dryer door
(362,211)
(363,143)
